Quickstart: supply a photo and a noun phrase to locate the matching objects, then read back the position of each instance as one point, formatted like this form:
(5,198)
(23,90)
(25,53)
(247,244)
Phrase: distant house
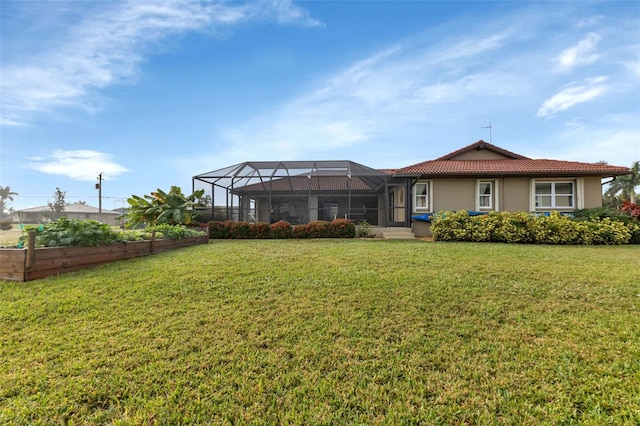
(480,177)
(41,214)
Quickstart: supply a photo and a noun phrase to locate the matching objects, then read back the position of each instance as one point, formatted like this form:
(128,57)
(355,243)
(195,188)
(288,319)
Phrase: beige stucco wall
(592,192)
(482,154)
(514,194)
(454,194)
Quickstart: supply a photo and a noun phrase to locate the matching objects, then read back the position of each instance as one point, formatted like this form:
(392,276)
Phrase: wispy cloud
(9,122)
(573,95)
(583,53)
(405,86)
(107,46)
(81,165)
(438,88)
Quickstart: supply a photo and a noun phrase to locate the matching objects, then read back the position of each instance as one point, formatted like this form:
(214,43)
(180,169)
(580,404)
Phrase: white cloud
(573,95)
(582,53)
(81,165)
(107,46)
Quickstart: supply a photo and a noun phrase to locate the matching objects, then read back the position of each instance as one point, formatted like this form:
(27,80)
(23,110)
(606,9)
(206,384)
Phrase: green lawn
(329,332)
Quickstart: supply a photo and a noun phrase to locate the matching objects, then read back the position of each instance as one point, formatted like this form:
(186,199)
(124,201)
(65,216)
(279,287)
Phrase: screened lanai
(296,191)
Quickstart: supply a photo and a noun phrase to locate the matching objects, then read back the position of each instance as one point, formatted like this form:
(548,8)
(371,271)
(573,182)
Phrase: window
(554,195)
(485,191)
(421,196)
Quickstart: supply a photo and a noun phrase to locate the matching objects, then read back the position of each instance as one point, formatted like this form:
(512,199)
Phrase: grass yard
(329,332)
(10,237)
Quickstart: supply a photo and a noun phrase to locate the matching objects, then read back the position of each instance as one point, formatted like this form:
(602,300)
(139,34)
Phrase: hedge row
(338,228)
(530,228)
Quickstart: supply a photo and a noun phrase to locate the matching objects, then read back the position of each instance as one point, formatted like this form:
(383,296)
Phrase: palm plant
(624,187)
(161,207)
(5,194)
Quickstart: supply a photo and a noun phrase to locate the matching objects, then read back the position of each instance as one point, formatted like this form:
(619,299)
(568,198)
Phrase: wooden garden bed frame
(34,263)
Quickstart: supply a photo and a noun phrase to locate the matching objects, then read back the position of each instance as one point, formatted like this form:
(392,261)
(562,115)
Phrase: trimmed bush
(239,230)
(342,228)
(300,231)
(363,229)
(451,226)
(260,230)
(318,229)
(531,228)
(281,229)
(219,230)
(5,225)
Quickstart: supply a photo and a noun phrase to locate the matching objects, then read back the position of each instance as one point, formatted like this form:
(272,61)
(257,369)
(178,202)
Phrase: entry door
(397,205)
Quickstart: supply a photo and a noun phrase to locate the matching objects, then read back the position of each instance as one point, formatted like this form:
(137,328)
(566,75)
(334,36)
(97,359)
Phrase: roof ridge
(483,145)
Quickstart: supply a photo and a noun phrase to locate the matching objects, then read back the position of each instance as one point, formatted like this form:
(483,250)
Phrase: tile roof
(511,164)
(510,167)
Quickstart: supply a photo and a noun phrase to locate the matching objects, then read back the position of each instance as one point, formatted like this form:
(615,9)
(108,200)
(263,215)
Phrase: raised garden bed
(33,263)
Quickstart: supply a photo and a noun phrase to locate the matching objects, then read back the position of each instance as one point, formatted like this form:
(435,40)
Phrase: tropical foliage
(623,188)
(73,232)
(6,194)
(173,208)
(76,232)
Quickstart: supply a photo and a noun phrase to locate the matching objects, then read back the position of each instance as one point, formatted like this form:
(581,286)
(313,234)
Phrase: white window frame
(479,205)
(429,203)
(553,195)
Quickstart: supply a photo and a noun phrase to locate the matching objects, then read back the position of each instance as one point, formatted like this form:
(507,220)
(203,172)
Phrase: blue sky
(152,93)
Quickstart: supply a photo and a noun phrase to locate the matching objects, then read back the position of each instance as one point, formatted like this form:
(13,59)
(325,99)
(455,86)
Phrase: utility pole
(488,127)
(99,188)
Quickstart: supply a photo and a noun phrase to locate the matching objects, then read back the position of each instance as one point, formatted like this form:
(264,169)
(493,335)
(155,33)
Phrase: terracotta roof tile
(510,167)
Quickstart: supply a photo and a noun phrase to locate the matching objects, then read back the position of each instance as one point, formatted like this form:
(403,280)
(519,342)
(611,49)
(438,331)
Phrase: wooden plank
(57,260)
(31,247)
(57,252)
(136,249)
(13,264)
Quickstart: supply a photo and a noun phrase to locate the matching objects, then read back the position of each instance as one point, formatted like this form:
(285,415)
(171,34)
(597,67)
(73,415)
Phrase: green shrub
(555,229)
(281,229)
(239,230)
(342,228)
(597,213)
(260,230)
(450,226)
(363,229)
(173,232)
(318,229)
(300,231)
(219,230)
(5,225)
(524,227)
(624,216)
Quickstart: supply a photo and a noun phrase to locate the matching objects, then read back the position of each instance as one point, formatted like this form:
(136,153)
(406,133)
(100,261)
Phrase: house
(72,211)
(480,177)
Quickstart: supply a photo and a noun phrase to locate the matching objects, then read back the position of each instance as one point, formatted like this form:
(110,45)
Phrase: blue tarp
(423,217)
(427,217)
